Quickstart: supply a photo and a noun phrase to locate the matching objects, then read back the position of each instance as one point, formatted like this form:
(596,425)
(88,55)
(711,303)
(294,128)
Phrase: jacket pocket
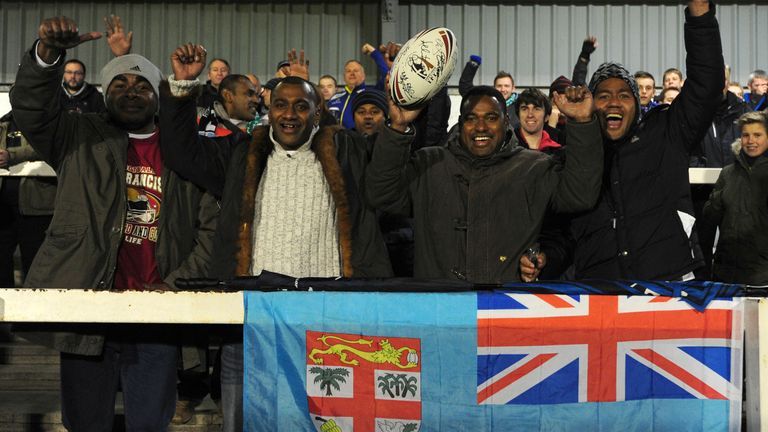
(63,236)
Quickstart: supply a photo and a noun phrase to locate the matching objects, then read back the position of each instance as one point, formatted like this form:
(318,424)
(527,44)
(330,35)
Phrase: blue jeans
(147,374)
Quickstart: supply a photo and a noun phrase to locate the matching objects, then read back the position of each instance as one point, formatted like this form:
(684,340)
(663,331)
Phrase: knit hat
(131,64)
(371,96)
(616,70)
(271,84)
(559,85)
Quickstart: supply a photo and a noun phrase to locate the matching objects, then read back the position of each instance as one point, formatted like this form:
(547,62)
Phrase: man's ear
(227,95)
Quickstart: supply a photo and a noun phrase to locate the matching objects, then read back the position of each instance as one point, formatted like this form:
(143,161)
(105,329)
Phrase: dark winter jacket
(641,226)
(87,100)
(231,167)
(714,151)
(89,154)
(475,217)
(208,96)
(739,206)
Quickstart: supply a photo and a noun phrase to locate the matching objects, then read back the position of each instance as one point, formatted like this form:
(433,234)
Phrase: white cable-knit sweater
(295,231)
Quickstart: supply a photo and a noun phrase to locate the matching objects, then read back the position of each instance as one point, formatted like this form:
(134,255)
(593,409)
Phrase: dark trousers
(145,371)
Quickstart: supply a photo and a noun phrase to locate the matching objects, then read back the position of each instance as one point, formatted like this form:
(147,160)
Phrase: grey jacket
(89,155)
(36,195)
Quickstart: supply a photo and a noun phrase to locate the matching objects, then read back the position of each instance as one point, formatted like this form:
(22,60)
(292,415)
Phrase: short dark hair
(74,60)
(675,71)
(533,97)
(221,60)
(229,83)
(483,91)
(503,74)
(311,90)
(643,74)
(664,92)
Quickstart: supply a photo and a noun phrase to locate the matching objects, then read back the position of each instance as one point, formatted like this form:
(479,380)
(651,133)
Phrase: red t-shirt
(136,263)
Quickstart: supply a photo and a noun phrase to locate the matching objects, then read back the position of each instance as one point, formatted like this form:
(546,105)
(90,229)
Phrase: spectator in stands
(459,193)
(218,69)
(283,69)
(266,98)
(26,203)
(533,109)
(646,86)
(739,206)
(107,232)
(672,77)
(505,84)
(340,104)
(668,94)
(642,225)
(370,108)
(758,89)
(307,175)
(736,88)
(79,96)
(235,108)
(556,123)
(328,86)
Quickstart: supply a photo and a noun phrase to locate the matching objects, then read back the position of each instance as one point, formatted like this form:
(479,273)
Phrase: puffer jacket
(739,206)
(89,154)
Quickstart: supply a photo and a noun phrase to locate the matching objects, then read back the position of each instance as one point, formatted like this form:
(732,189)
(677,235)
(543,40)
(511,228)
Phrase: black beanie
(371,96)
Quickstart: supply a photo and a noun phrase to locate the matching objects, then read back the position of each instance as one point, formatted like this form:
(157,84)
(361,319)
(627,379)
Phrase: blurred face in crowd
(759,86)
(256,83)
(669,95)
(354,74)
(368,119)
(531,118)
(616,103)
(74,77)
(647,90)
(327,88)
(292,114)
(243,102)
(672,79)
(754,139)
(217,71)
(737,90)
(505,86)
(483,125)
(132,103)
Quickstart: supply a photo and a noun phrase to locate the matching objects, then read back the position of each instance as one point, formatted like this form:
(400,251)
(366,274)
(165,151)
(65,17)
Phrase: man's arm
(466,81)
(579,76)
(693,110)
(580,179)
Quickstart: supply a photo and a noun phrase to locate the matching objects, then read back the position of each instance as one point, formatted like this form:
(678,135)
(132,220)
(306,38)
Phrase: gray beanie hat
(131,64)
(616,70)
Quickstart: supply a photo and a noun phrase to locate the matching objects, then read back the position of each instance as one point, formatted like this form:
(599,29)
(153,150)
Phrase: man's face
(243,102)
(647,89)
(368,119)
(131,102)
(672,79)
(483,125)
(505,86)
(327,88)
(754,140)
(292,115)
(616,103)
(354,74)
(531,118)
(74,77)
(217,71)
(670,95)
(758,86)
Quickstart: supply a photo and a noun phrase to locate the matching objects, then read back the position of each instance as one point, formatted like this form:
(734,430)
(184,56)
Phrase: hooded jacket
(739,206)
(474,217)
(642,225)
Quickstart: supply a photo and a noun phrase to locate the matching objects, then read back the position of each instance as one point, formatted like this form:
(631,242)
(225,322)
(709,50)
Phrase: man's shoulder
(338,97)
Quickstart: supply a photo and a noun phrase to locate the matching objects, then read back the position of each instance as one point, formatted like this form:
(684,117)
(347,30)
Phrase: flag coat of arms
(489,361)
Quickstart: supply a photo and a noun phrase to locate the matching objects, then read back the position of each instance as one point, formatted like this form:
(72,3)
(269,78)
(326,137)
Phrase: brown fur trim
(325,149)
(256,160)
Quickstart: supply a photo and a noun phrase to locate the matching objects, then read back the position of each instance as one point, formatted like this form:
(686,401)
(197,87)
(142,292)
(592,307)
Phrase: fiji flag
(489,361)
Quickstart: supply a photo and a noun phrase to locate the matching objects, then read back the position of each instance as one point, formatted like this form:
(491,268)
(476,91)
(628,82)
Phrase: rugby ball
(423,66)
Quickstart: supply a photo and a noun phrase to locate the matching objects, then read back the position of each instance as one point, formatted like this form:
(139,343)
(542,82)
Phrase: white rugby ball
(423,66)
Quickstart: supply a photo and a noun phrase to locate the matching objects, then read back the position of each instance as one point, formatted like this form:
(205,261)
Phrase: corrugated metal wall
(534,42)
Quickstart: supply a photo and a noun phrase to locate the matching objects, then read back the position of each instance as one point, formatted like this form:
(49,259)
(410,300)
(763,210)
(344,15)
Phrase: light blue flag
(341,362)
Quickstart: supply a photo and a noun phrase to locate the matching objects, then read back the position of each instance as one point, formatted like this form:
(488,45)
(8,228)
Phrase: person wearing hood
(643,225)
(739,206)
(122,221)
(478,201)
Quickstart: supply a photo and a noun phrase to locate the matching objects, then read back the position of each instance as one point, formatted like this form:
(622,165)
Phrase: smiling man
(642,226)
(236,106)
(479,200)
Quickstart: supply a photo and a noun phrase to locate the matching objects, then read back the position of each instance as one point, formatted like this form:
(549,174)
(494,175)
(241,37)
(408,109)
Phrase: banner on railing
(490,361)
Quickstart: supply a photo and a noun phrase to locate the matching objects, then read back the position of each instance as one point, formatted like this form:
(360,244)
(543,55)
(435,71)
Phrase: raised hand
(187,61)
(367,48)
(390,51)
(299,67)
(59,34)
(575,103)
(119,43)
(400,117)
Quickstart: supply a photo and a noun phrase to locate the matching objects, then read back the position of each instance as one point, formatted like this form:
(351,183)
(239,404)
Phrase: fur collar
(324,147)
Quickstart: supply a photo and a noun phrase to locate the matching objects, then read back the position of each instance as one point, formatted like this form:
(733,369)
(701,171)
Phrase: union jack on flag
(553,348)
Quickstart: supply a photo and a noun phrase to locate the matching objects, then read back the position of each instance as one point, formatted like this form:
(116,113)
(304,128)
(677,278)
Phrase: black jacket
(638,228)
(714,151)
(89,100)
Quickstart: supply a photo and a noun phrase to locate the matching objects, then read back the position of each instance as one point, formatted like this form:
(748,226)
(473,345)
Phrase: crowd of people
(164,178)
